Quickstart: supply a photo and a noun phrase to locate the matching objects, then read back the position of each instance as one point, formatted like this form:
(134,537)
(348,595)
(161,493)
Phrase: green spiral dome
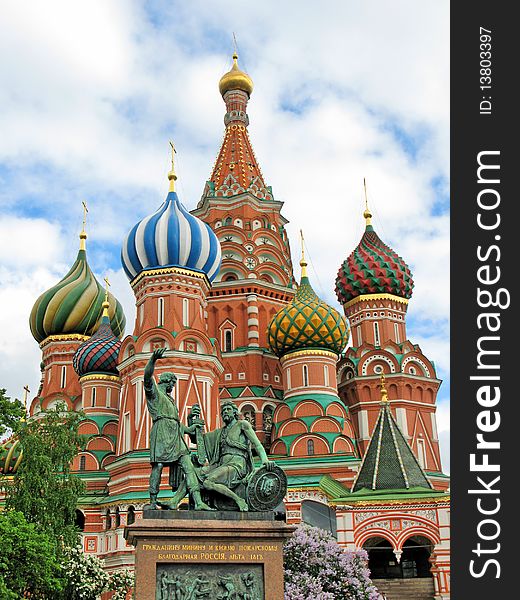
(307,322)
(74,305)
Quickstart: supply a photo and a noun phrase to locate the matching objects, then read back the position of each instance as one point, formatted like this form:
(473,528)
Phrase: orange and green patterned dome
(373,268)
(74,305)
(307,322)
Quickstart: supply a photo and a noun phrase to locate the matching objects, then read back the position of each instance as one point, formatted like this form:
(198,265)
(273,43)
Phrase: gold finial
(384,393)
(367,214)
(83,234)
(172,175)
(303,262)
(106,303)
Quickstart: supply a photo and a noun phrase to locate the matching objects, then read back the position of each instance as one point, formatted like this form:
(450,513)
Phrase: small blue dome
(171,237)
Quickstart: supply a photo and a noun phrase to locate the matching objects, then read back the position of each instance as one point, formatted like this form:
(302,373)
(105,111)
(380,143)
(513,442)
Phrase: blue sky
(91,92)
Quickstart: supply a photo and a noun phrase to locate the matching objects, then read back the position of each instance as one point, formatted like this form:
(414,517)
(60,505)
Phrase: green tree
(29,563)
(43,488)
(11,413)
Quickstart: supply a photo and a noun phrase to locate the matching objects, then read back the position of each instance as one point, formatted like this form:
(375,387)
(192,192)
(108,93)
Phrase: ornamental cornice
(65,337)
(170,270)
(309,352)
(370,297)
(100,377)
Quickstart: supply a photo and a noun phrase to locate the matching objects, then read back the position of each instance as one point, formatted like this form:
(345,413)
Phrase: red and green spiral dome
(373,268)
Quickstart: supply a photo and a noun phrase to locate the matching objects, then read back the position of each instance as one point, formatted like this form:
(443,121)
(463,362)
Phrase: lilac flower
(317,568)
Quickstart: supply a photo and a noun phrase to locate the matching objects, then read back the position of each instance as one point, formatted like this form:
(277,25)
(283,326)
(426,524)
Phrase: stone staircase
(406,589)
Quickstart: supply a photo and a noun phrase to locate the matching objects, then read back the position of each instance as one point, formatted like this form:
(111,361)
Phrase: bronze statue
(227,476)
(167,444)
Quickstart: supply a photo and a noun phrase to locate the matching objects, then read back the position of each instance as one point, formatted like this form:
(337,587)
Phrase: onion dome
(73,306)
(171,237)
(373,268)
(235,79)
(307,322)
(100,353)
(11,455)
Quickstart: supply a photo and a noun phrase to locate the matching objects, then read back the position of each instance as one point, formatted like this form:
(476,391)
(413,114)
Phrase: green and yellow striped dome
(307,322)
(74,305)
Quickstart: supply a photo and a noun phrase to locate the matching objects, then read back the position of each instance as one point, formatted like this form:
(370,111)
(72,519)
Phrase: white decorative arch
(374,357)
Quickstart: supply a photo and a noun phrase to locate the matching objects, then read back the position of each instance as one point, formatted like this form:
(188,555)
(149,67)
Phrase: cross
(366,198)
(85,211)
(174,151)
(26,391)
(235,43)
(107,285)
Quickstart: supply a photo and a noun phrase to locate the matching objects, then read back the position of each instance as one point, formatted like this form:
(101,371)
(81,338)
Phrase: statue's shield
(266,489)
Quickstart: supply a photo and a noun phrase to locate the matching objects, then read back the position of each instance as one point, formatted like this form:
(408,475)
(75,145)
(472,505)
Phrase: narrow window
(127,432)
(359,338)
(160,312)
(185,312)
(288,379)
(310,447)
(63,376)
(82,462)
(305,376)
(93,397)
(421,454)
(396,333)
(49,375)
(108,397)
(228,340)
(130,515)
(326,375)
(376,334)
(138,401)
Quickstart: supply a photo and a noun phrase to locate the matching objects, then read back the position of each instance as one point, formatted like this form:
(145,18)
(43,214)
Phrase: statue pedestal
(214,555)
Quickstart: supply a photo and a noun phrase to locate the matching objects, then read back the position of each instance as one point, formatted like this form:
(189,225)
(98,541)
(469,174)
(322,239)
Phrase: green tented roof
(389,463)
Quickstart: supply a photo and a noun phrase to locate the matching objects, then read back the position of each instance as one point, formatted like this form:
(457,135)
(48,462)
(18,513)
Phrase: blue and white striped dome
(171,237)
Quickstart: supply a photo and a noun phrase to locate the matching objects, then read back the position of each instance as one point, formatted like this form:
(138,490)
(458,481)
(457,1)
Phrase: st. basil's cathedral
(354,428)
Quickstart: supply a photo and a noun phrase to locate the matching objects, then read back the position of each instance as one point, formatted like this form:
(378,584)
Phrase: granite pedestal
(187,555)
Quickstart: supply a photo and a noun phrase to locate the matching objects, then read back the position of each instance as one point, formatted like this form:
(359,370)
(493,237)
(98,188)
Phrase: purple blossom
(317,568)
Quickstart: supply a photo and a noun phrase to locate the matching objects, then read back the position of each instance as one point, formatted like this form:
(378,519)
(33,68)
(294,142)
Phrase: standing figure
(167,444)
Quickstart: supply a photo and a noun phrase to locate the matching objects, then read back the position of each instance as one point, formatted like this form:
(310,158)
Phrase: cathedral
(344,403)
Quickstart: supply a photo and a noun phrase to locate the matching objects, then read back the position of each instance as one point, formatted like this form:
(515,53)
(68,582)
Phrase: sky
(92,91)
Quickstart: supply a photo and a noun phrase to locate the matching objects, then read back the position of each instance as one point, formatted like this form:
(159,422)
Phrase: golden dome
(235,79)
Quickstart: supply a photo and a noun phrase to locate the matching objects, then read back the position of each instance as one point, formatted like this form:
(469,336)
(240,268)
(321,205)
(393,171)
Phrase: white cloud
(90,93)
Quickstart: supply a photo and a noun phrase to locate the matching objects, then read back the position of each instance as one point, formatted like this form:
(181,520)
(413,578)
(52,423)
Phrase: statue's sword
(199,440)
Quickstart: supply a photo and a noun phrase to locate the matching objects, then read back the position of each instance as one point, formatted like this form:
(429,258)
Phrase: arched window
(230,277)
(80,520)
(249,415)
(396,333)
(108,397)
(82,462)
(310,447)
(185,312)
(130,515)
(267,419)
(108,519)
(63,376)
(117,519)
(305,376)
(376,334)
(160,312)
(228,340)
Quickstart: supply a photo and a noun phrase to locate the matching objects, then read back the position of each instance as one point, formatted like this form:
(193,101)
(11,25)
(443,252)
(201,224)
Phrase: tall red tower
(374,285)
(256,277)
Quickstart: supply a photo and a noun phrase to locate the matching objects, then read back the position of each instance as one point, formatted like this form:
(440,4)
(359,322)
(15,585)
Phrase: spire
(172,176)
(236,169)
(384,393)
(389,463)
(83,234)
(303,262)
(367,214)
(106,303)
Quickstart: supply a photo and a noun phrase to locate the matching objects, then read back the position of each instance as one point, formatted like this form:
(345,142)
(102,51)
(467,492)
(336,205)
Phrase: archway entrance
(415,558)
(382,561)
(413,562)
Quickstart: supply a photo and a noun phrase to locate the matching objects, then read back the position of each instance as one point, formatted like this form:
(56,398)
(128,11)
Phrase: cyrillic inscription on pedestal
(213,581)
